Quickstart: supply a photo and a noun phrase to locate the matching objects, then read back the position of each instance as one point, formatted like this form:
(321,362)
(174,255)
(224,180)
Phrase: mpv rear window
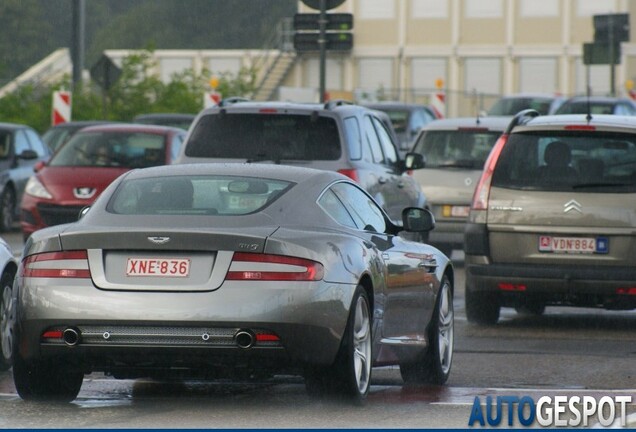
(598,162)
(266,136)
(456,148)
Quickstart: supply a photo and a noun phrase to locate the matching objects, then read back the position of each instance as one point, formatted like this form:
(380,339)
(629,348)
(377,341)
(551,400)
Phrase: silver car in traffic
(214,270)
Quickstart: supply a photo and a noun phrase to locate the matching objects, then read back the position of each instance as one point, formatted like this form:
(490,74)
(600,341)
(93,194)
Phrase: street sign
(334,21)
(601,53)
(329,4)
(333,41)
(105,72)
(611,28)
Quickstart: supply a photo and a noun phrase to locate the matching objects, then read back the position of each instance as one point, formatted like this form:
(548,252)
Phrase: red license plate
(158,267)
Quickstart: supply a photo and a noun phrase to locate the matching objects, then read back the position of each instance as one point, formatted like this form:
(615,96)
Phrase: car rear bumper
(153,329)
(611,287)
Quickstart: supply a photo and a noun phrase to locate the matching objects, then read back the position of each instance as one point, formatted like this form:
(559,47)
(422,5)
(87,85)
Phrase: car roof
(596,120)
(490,122)
(13,126)
(180,116)
(290,173)
(289,107)
(80,123)
(130,127)
(598,99)
(394,105)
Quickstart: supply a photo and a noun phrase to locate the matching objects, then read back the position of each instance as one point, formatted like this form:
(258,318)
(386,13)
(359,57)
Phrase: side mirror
(28,155)
(414,161)
(415,219)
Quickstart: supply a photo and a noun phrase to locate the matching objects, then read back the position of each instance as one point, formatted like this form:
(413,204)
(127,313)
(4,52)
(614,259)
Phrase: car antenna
(588,117)
(478,120)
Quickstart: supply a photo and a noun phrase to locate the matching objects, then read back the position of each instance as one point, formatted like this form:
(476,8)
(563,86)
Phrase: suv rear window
(265,136)
(456,148)
(564,162)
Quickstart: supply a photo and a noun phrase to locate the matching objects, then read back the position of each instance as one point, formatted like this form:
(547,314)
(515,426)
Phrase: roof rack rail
(522,117)
(336,103)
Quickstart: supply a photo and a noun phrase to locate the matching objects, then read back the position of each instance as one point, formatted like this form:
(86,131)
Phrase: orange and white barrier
(61,111)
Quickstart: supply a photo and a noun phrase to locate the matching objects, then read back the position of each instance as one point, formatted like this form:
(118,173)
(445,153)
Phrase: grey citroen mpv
(553,217)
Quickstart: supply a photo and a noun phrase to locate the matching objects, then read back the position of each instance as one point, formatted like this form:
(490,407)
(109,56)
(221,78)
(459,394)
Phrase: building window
(600,76)
(482,75)
(595,7)
(483,8)
(539,8)
(224,65)
(171,66)
(426,71)
(333,74)
(538,75)
(376,9)
(429,9)
(375,78)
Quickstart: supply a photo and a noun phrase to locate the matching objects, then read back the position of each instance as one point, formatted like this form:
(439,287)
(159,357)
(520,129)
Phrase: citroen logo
(468,181)
(571,205)
(159,240)
(84,192)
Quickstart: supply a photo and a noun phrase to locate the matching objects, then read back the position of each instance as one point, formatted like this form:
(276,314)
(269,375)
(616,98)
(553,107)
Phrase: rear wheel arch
(367,284)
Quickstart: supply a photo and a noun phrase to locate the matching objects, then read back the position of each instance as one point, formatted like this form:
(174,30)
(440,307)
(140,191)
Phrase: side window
(21,142)
(373,141)
(352,135)
(365,212)
(175,146)
(36,143)
(418,120)
(334,208)
(387,144)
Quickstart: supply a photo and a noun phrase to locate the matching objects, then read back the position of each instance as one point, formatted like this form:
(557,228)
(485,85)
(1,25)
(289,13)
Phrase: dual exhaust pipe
(243,338)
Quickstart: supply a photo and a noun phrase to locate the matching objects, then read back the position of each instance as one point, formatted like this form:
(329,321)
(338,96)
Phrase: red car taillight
(482,191)
(71,264)
(351,173)
(266,267)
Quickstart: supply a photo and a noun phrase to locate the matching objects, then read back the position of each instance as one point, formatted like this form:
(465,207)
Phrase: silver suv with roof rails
(336,136)
(553,219)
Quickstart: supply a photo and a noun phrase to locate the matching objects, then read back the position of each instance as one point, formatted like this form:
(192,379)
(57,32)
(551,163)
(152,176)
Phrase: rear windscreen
(600,162)
(266,136)
(455,148)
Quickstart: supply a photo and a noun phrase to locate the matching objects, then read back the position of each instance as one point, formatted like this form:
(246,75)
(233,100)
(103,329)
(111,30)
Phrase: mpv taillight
(67,264)
(267,267)
(482,191)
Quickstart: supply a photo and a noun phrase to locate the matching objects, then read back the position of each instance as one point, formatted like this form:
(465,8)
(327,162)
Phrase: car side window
(373,141)
(21,142)
(364,211)
(352,134)
(387,144)
(175,146)
(36,143)
(334,208)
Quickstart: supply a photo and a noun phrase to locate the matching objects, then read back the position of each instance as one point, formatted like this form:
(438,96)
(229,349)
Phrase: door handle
(429,264)
(400,184)
(382,180)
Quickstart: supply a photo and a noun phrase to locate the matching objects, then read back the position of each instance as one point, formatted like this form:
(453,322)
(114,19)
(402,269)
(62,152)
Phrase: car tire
(350,375)
(7,209)
(481,307)
(46,380)
(7,321)
(434,365)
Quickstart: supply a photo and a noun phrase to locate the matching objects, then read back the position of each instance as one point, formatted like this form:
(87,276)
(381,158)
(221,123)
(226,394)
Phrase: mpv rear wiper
(456,164)
(263,158)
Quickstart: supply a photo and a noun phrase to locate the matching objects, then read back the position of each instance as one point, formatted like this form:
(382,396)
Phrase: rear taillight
(71,264)
(482,191)
(266,267)
(626,291)
(351,173)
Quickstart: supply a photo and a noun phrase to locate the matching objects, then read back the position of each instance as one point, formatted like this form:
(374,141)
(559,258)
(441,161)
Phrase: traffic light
(337,26)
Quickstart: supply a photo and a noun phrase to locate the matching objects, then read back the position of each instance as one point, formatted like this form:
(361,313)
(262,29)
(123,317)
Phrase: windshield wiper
(601,185)
(456,164)
(261,157)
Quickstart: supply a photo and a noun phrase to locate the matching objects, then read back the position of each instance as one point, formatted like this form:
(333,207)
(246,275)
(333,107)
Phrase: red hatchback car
(84,166)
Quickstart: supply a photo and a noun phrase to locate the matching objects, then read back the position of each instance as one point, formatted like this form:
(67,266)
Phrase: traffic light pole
(322,41)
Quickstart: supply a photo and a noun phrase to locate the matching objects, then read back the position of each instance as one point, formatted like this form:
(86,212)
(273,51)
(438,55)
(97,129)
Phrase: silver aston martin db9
(213,270)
